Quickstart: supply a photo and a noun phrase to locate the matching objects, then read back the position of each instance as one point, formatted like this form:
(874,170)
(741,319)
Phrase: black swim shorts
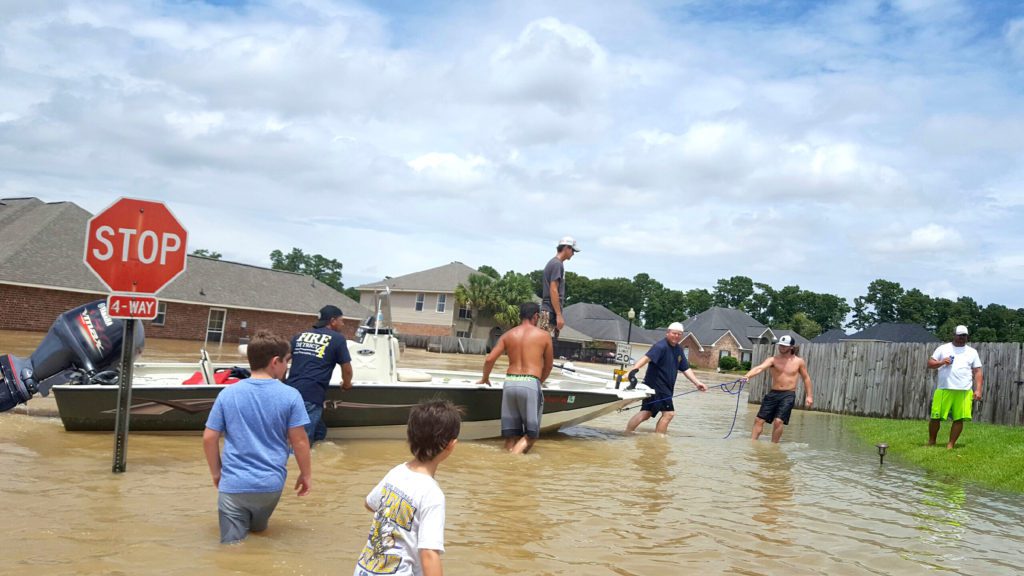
(777,404)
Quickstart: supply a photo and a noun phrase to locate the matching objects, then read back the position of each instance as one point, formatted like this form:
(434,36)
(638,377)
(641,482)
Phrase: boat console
(83,345)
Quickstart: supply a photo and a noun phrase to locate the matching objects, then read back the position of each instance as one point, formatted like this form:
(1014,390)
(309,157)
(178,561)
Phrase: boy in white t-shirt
(959,367)
(407,532)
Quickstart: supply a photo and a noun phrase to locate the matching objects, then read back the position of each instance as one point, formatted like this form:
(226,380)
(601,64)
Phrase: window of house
(745,357)
(462,334)
(723,354)
(686,352)
(419,302)
(465,313)
(161,314)
(441,300)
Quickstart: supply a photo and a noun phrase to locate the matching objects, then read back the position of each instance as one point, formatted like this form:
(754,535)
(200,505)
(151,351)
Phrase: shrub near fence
(892,380)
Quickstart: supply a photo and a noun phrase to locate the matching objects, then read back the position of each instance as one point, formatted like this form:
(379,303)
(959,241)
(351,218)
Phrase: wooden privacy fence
(445,343)
(892,380)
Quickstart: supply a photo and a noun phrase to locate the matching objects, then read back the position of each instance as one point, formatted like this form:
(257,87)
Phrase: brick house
(42,275)
(719,332)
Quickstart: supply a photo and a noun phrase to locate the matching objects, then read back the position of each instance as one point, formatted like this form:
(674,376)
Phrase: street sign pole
(124,396)
(135,247)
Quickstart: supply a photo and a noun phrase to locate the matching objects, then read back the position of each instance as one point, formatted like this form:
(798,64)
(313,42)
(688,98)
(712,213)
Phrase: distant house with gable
(719,332)
(424,302)
(42,274)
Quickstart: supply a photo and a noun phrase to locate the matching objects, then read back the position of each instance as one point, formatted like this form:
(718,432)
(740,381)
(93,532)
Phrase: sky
(821,144)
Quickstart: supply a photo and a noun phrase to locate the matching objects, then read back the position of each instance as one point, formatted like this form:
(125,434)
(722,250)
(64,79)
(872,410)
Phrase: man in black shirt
(314,354)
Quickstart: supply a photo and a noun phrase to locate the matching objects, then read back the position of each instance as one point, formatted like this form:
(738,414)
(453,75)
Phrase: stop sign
(135,246)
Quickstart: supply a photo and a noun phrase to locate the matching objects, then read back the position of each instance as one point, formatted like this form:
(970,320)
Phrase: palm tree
(477,295)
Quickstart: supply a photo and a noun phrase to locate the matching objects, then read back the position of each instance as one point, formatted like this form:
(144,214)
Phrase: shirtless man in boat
(530,356)
(778,403)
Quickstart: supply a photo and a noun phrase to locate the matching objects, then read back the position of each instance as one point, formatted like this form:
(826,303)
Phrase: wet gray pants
(245,512)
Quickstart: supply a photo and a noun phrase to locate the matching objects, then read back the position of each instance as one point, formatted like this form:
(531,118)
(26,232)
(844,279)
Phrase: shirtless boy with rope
(778,403)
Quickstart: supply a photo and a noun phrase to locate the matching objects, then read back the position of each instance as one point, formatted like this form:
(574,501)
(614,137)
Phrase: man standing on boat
(667,360)
(778,403)
(553,287)
(530,357)
(314,354)
(959,367)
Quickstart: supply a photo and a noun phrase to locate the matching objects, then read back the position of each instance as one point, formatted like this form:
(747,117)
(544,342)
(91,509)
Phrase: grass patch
(987,454)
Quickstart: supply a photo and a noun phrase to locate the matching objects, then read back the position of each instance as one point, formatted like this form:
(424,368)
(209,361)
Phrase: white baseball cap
(961,329)
(568,241)
(786,340)
(676,326)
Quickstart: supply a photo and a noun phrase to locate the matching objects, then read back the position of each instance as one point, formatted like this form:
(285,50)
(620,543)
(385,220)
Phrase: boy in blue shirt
(258,417)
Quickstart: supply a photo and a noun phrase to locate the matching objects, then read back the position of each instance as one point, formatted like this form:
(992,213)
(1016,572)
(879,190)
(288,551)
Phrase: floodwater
(591,501)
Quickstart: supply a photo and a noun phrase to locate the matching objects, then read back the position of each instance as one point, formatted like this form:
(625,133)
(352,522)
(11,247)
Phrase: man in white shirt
(959,366)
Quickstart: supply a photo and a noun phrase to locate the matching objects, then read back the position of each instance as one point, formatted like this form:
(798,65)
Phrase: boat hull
(365,411)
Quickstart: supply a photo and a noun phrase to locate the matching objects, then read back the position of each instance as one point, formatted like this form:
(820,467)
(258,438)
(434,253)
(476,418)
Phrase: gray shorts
(243,513)
(522,404)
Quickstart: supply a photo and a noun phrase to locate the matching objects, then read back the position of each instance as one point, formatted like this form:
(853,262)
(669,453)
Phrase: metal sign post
(124,396)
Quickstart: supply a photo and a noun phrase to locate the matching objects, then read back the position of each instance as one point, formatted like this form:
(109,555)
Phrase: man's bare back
(529,351)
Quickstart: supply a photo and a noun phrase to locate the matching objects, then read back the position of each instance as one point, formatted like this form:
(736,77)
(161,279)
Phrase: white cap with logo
(676,327)
(570,242)
(961,329)
(786,340)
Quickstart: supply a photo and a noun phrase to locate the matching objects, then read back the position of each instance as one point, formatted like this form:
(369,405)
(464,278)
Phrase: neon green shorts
(956,401)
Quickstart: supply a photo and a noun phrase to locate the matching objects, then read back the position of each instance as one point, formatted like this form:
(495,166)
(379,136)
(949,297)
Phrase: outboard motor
(82,345)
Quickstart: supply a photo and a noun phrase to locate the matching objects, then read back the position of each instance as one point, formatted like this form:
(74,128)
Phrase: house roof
(710,325)
(442,279)
(600,323)
(43,244)
(831,337)
(800,340)
(895,332)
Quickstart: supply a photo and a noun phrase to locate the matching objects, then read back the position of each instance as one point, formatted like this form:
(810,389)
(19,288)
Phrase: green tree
(490,271)
(206,253)
(509,292)
(352,293)
(915,307)
(803,325)
(828,310)
(326,270)
(477,294)
(881,304)
(736,292)
(697,300)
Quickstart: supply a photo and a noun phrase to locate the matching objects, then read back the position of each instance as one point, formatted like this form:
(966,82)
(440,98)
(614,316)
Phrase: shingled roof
(895,332)
(710,325)
(831,337)
(43,245)
(600,323)
(442,279)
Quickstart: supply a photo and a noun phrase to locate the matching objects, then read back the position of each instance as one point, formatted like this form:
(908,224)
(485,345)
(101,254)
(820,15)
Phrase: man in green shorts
(959,366)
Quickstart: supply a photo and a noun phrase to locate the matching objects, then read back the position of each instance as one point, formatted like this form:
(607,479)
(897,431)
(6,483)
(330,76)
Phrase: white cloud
(684,145)
(931,238)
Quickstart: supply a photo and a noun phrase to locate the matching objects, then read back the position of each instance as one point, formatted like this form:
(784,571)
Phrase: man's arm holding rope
(768,363)
(696,381)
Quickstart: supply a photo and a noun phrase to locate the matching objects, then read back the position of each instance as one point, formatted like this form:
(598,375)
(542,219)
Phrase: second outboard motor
(84,340)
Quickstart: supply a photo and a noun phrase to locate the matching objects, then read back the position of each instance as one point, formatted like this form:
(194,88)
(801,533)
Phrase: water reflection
(592,502)
(772,476)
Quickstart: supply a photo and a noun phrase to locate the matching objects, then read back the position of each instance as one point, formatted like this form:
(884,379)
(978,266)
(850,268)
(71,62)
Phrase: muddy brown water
(587,501)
